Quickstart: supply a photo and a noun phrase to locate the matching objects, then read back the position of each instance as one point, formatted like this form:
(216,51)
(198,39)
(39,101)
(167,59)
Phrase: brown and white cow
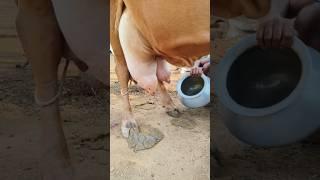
(50,30)
(146,35)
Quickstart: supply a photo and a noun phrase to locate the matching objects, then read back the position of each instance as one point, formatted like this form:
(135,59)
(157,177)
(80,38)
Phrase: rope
(53,99)
(124,93)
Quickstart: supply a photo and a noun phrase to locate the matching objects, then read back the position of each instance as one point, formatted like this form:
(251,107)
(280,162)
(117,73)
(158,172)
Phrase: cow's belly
(178,29)
(84,25)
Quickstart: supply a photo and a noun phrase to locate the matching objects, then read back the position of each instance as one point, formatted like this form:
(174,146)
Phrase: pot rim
(179,84)
(244,44)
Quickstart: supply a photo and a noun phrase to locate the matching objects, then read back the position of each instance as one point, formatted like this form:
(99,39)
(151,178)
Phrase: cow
(147,35)
(175,32)
(50,30)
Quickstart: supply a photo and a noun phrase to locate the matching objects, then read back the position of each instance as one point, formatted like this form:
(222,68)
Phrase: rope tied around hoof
(124,93)
(42,103)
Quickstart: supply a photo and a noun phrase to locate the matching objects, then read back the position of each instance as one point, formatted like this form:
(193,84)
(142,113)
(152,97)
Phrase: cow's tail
(118,12)
(117,7)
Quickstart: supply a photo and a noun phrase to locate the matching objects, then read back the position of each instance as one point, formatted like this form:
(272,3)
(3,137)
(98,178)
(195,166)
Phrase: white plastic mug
(198,100)
(292,119)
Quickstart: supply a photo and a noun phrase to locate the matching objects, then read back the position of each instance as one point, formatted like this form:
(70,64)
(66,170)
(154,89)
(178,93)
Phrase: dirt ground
(299,161)
(183,154)
(83,110)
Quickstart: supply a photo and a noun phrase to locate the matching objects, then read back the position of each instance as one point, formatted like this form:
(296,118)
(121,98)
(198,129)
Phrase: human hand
(196,71)
(206,67)
(275,32)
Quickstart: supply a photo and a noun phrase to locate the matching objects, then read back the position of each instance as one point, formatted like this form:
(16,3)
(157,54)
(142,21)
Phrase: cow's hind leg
(136,59)
(127,121)
(43,45)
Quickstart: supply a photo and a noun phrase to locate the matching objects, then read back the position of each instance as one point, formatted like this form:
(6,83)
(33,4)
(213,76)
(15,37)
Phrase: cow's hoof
(126,126)
(174,113)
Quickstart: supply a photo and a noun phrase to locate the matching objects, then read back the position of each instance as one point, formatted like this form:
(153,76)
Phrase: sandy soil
(84,120)
(83,111)
(183,154)
(299,161)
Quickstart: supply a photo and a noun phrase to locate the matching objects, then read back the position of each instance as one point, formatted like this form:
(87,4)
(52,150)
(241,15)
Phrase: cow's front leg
(166,101)
(163,75)
(43,45)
